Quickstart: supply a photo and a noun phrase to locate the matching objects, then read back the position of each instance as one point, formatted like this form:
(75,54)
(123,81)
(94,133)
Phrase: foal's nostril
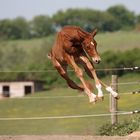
(97,61)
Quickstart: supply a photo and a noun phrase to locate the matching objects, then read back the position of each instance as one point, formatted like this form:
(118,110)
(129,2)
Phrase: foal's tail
(57,47)
(49,55)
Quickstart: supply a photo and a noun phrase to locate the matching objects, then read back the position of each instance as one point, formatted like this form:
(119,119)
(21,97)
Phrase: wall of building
(16,89)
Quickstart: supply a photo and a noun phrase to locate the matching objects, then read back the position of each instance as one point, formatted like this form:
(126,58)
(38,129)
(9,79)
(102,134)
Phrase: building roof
(36,81)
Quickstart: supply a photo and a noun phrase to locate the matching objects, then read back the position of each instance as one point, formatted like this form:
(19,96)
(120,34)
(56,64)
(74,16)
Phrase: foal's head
(89,45)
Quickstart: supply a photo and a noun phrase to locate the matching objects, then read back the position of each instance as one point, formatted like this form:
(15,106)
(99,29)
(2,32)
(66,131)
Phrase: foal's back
(64,38)
(73,33)
(68,40)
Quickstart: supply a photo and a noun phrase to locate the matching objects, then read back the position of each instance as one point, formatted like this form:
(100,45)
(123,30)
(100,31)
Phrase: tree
(114,18)
(109,22)
(5,28)
(41,26)
(20,28)
(125,18)
(138,19)
(14,29)
(85,18)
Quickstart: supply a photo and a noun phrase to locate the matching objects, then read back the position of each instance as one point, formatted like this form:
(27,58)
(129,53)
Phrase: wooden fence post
(113,101)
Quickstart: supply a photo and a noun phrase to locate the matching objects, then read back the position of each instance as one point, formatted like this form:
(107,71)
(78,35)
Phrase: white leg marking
(100,92)
(92,96)
(114,94)
(92,43)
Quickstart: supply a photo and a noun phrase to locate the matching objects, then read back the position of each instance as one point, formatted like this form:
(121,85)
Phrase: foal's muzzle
(96,60)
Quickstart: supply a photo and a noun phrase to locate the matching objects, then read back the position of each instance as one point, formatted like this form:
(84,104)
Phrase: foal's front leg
(98,82)
(79,73)
(92,73)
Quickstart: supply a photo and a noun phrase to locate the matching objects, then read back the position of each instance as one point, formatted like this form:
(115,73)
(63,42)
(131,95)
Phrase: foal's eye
(89,47)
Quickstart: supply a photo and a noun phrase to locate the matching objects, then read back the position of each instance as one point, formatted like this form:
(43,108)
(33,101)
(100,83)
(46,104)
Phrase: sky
(30,8)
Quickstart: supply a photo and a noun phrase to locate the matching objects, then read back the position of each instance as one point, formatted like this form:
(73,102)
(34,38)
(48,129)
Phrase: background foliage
(24,44)
(23,48)
(113,19)
(120,129)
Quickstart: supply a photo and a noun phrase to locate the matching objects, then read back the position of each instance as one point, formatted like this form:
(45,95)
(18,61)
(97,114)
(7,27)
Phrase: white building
(19,88)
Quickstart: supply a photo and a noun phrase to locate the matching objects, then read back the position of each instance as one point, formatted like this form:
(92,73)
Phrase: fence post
(113,101)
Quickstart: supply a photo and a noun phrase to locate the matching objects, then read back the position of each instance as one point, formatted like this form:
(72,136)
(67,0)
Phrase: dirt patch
(135,134)
(70,137)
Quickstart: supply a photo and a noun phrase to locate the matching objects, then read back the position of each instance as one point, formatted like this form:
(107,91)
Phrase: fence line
(53,97)
(136,92)
(53,70)
(72,116)
(68,117)
(127,83)
(76,96)
(114,69)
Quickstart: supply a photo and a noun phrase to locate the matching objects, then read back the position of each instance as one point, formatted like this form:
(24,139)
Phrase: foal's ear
(94,32)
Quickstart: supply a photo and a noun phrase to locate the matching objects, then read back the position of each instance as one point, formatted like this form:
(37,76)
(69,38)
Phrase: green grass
(29,44)
(40,107)
(52,106)
(121,40)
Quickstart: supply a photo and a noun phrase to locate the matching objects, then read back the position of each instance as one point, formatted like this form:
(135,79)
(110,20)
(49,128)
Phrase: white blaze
(92,43)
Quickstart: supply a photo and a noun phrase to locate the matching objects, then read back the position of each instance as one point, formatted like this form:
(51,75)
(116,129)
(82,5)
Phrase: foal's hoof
(101,98)
(93,102)
(92,98)
(117,97)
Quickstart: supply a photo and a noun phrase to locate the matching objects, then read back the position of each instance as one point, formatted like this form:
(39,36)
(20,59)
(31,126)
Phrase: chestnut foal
(75,46)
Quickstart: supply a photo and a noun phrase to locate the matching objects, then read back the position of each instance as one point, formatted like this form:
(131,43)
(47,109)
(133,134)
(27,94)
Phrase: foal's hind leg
(79,73)
(62,71)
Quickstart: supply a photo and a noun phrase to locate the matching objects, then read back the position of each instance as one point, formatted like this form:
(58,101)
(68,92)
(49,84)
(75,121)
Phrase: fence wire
(137,68)
(68,117)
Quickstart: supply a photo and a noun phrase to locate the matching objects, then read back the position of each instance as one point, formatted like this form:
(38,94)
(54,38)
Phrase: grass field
(51,103)
(120,40)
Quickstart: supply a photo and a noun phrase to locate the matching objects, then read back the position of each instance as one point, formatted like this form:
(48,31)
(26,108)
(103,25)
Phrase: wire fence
(137,68)
(76,96)
(79,96)
(68,117)
(127,83)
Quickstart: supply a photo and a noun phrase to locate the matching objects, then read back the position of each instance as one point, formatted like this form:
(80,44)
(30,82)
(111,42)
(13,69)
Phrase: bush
(129,58)
(120,129)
